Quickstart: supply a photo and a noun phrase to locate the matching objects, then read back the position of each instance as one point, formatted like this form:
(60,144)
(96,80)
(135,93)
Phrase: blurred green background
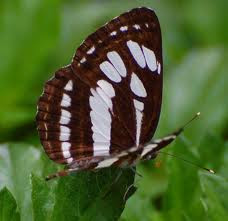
(39,36)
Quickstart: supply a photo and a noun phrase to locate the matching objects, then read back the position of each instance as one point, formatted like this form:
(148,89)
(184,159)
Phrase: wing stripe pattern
(108,69)
(65,117)
(101,105)
(117,62)
(66,101)
(144,56)
(65,147)
(139,107)
(64,130)
(106,100)
(137,86)
(69,86)
(137,53)
(123,28)
(106,87)
(138,89)
(150,58)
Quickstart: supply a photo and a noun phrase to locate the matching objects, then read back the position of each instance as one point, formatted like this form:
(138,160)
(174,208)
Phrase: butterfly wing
(109,98)
(130,45)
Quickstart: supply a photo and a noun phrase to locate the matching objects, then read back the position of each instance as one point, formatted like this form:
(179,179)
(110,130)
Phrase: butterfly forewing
(130,42)
(109,98)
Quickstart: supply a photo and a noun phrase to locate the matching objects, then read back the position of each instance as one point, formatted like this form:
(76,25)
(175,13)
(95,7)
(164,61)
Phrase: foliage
(8,207)
(37,37)
(84,196)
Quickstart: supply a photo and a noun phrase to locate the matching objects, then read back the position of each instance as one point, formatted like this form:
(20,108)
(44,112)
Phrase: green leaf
(42,198)
(8,206)
(82,196)
(16,163)
(92,196)
(215,196)
(183,186)
(192,193)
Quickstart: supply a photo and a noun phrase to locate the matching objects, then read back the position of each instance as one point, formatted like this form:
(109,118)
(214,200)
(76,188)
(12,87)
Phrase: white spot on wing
(69,86)
(64,120)
(171,137)
(69,160)
(45,126)
(148,148)
(98,104)
(65,147)
(113,33)
(117,62)
(100,149)
(107,162)
(137,87)
(136,26)
(83,60)
(100,126)
(65,113)
(110,71)
(65,117)
(101,105)
(123,28)
(150,58)
(133,149)
(159,67)
(99,138)
(105,98)
(106,87)
(91,50)
(138,126)
(122,154)
(64,133)
(136,53)
(66,101)
(65,129)
(139,107)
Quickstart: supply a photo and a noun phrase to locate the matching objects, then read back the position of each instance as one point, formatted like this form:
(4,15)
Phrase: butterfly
(103,109)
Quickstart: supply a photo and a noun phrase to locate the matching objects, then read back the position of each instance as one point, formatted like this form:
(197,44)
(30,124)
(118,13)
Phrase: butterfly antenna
(195,116)
(177,132)
(188,162)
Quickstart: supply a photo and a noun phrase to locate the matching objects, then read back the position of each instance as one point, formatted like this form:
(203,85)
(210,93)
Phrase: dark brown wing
(140,27)
(109,98)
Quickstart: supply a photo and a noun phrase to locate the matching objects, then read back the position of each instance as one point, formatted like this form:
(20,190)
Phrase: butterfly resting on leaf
(103,109)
